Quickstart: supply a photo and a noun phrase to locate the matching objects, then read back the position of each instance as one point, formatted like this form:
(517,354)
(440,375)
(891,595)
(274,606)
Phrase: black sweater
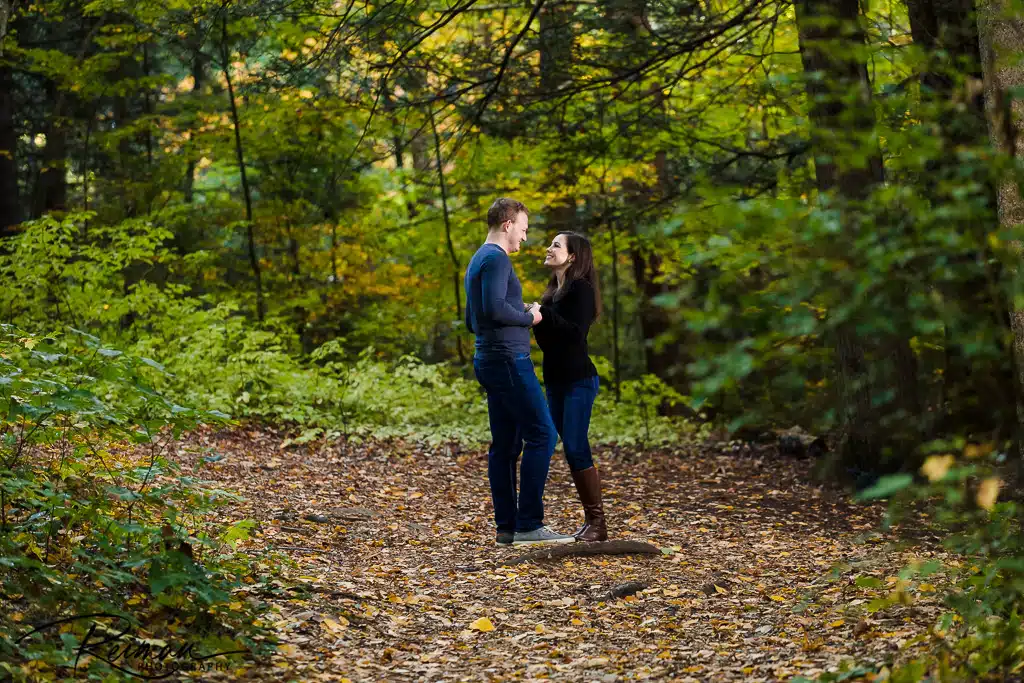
(562,334)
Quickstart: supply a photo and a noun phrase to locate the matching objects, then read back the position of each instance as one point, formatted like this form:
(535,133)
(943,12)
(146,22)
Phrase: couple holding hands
(521,420)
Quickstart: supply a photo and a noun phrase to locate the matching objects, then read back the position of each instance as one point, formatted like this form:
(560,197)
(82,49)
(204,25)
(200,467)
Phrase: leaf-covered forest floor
(394,553)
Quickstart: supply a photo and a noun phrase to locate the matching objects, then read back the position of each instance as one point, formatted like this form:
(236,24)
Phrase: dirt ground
(400,580)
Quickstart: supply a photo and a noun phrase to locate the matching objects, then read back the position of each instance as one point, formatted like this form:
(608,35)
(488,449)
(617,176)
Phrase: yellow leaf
(539,628)
(936,466)
(418,494)
(988,492)
(719,589)
(482,624)
(837,623)
(926,588)
(576,622)
(777,598)
(334,626)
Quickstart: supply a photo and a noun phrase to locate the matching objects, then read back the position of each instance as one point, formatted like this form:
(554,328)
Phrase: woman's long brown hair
(582,268)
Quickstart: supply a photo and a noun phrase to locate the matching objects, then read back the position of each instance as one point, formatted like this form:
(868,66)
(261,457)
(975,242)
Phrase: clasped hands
(534,309)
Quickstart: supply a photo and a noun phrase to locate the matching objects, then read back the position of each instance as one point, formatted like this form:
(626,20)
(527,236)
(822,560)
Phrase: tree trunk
(7,8)
(51,186)
(665,360)
(953,98)
(556,48)
(831,40)
(10,204)
(1002,44)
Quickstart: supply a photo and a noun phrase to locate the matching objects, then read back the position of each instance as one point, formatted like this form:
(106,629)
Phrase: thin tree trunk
(10,203)
(293,251)
(198,78)
(85,160)
(456,266)
(331,214)
(399,152)
(334,252)
(148,109)
(239,153)
(616,362)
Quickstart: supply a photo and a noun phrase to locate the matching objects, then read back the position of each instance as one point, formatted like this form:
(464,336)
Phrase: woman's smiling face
(558,254)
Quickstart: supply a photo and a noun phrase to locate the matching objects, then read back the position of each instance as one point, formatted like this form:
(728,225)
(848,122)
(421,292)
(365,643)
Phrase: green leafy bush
(97,519)
(961,483)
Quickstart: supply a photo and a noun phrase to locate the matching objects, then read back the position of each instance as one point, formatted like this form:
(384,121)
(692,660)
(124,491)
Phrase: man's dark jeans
(518,416)
(571,405)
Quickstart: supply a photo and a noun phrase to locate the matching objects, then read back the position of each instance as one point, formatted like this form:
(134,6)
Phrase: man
(515,403)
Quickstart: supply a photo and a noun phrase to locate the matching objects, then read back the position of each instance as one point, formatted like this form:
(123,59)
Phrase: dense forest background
(795,205)
(805,213)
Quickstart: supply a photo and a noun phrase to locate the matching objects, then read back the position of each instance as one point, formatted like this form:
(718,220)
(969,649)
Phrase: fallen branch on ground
(621,591)
(585,549)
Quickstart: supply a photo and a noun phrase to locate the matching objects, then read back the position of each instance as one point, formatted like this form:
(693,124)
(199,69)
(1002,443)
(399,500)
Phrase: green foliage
(963,486)
(212,356)
(95,518)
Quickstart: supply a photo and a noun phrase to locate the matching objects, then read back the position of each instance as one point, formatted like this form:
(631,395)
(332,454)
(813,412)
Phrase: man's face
(517,231)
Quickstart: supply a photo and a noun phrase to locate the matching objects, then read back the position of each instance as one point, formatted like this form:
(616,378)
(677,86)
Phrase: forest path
(394,547)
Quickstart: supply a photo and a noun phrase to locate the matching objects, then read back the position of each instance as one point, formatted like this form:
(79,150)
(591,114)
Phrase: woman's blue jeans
(520,423)
(571,406)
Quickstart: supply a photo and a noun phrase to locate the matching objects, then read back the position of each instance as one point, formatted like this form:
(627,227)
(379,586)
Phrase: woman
(569,306)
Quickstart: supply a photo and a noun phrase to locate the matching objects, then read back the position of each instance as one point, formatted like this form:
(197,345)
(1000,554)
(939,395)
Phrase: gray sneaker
(541,536)
(504,538)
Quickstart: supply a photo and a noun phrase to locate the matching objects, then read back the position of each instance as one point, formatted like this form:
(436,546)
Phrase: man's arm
(494,274)
(467,285)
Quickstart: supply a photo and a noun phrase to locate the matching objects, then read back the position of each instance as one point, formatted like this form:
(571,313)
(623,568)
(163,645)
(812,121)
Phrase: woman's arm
(578,312)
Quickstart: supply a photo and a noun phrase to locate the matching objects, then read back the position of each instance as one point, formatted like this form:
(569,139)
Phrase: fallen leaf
(335,627)
(482,624)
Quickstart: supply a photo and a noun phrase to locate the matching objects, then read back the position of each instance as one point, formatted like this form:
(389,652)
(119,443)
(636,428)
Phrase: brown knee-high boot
(588,485)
